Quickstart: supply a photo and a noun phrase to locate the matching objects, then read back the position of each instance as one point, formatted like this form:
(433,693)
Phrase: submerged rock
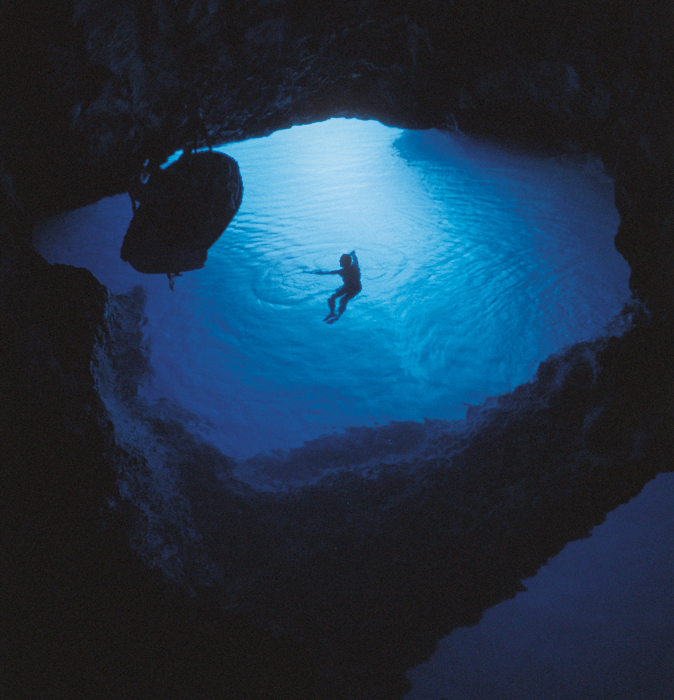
(182,211)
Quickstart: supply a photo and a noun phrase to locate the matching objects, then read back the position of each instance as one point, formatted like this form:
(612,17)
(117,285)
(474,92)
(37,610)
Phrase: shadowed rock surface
(183,210)
(332,590)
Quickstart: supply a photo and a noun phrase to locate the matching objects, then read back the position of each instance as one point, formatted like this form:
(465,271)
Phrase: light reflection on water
(476,264)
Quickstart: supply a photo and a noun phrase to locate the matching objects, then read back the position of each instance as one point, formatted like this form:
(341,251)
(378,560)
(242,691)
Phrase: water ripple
(476,264)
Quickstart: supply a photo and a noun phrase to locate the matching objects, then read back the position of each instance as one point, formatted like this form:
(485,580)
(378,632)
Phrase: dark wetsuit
(351,277)
(350,274)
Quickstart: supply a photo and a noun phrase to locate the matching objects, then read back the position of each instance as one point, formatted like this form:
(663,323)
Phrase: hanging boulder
(182,210)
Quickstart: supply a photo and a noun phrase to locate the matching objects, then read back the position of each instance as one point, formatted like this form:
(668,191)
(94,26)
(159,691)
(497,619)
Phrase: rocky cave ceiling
(93,88)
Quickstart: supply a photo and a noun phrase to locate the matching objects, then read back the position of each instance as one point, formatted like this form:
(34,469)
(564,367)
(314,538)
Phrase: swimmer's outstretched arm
(323,272)
(353,255)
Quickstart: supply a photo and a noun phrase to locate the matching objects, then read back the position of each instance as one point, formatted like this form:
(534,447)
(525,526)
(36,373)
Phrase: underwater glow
(477,263)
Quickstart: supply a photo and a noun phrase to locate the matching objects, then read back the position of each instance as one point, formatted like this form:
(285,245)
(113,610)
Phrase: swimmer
(350,274)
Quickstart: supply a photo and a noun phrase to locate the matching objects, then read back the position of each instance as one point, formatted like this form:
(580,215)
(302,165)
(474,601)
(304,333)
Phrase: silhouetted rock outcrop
(183,210)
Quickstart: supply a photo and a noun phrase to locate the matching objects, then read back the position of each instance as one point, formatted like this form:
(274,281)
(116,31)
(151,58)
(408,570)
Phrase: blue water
(595,622)
(477,263)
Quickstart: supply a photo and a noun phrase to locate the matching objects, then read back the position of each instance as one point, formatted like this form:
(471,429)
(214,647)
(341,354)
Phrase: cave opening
(477,263)
(338,588)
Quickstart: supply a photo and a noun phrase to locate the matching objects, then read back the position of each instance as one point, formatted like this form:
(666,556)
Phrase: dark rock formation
(183,210)
(334,590)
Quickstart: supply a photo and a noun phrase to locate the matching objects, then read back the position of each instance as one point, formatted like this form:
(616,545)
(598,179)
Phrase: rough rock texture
(182,211)
(335,590)
(123,81)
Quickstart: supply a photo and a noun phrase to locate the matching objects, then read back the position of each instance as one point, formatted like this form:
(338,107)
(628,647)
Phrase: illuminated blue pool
(477,263)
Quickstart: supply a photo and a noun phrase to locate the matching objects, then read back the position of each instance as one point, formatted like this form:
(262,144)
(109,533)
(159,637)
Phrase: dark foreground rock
(183,209)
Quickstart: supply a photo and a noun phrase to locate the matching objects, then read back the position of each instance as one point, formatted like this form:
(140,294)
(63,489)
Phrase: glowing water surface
(477,263)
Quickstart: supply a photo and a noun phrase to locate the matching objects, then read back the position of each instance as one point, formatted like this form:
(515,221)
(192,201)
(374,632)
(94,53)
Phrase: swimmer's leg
(331,303)
(345,300)
(342,305)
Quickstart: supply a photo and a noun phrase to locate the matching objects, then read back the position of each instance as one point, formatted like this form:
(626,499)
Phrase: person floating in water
(350,274)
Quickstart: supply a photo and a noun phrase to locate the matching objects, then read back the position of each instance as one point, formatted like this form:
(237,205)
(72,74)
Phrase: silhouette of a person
(350,274)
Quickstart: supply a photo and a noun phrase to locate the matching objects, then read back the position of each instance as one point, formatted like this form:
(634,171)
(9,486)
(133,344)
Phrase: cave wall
(91,89)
